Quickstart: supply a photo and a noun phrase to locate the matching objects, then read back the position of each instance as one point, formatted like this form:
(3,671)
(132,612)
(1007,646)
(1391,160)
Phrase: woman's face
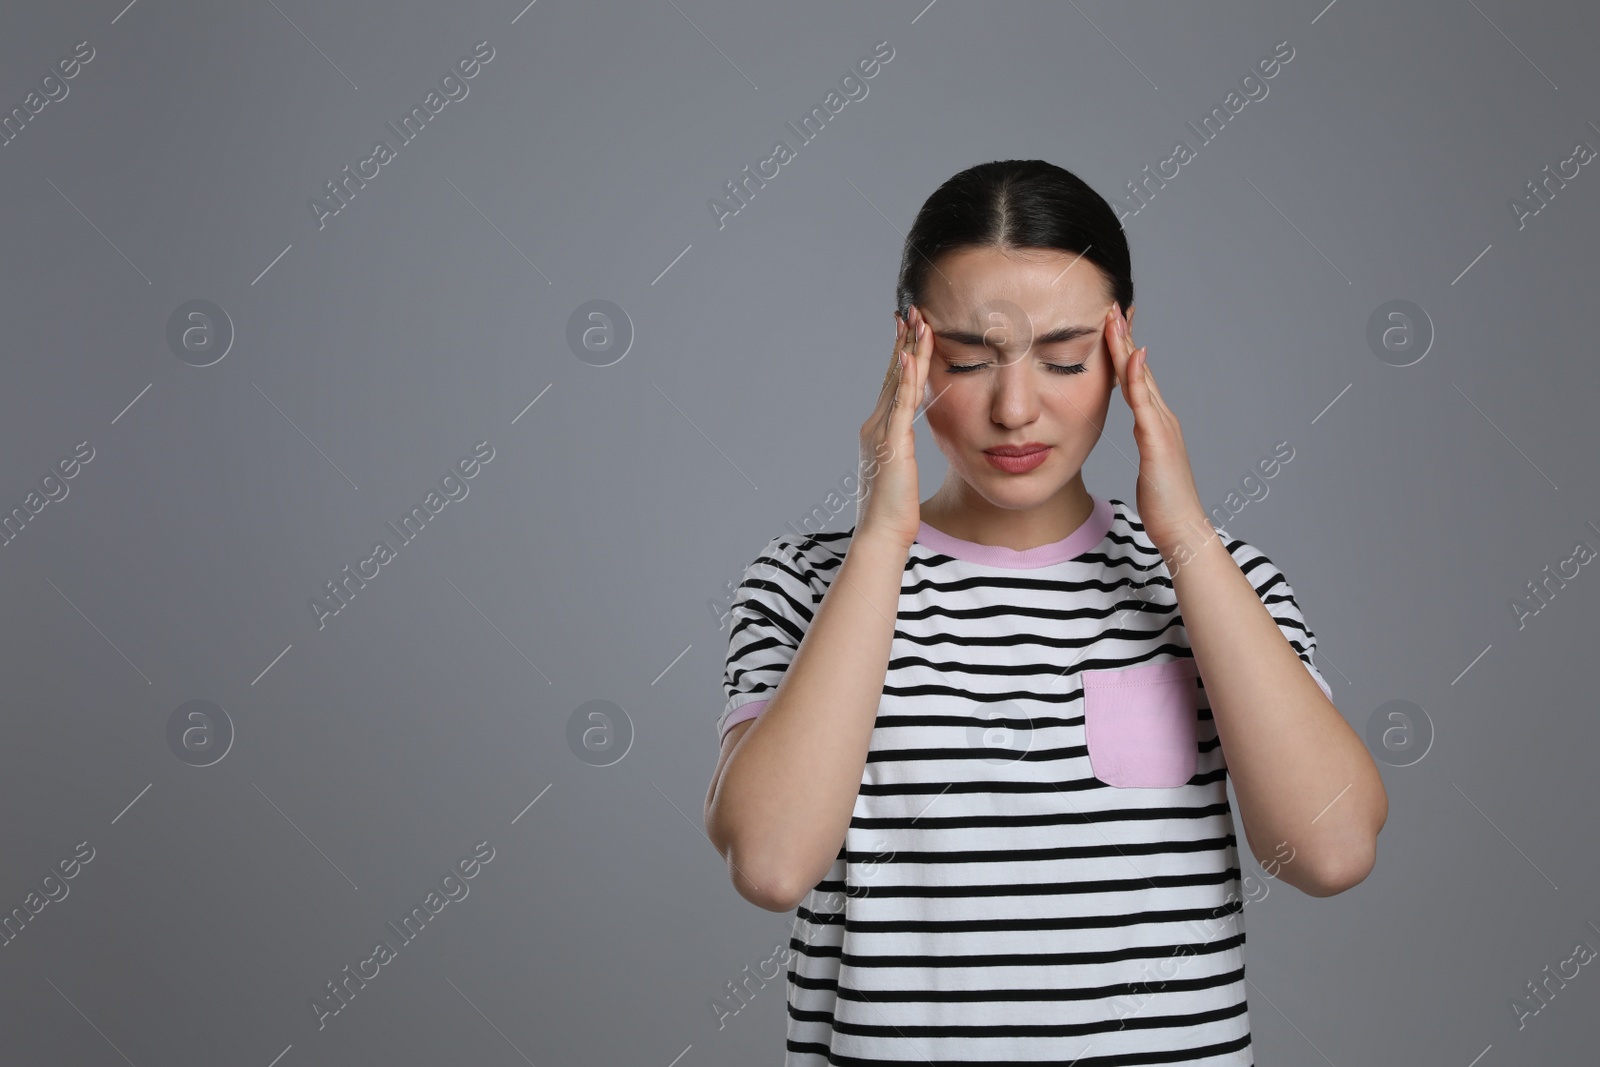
(1019,358)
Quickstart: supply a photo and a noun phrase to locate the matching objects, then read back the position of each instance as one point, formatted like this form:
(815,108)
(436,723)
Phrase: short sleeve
(772,609)
(1278,598)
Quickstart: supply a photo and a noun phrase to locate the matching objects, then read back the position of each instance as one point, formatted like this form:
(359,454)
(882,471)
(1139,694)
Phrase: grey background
(589,557)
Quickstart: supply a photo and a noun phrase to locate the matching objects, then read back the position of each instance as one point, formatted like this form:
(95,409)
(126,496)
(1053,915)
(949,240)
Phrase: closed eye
(1062,341)
(1058,368)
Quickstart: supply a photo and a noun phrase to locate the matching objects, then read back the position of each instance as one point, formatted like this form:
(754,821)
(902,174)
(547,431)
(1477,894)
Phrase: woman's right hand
(889,505)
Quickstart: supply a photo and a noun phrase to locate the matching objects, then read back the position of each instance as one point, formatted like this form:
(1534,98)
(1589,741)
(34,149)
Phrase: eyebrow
(1060,333)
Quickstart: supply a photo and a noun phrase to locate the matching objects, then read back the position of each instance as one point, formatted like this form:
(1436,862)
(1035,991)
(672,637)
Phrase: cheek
(1089,407)
(947,406)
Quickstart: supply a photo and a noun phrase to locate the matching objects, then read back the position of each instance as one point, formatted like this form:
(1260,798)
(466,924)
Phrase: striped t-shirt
(1041,862)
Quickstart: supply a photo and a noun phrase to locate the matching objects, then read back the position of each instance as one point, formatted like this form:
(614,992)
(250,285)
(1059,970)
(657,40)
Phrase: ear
(1131,309)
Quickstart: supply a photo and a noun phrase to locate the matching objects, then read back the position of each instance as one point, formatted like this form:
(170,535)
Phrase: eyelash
(1058,368)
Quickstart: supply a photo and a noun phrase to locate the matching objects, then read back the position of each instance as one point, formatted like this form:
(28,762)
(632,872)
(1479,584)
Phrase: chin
(1016,492)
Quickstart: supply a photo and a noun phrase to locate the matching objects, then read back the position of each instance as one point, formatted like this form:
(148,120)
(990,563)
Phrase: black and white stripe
(995,902)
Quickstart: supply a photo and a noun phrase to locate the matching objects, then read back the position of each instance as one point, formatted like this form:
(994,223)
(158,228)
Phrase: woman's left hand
(1166,498)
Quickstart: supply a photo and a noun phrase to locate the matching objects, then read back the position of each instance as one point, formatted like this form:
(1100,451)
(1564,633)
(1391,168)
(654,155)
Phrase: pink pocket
(1139,724)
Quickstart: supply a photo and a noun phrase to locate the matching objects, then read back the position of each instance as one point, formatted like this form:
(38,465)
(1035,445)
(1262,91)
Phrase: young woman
(981,741)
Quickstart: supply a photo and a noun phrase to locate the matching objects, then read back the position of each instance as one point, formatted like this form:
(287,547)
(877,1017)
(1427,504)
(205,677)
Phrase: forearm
(1302,775)
(784,800)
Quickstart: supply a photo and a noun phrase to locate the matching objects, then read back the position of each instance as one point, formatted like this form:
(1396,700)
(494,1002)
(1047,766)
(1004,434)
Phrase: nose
(1015,401)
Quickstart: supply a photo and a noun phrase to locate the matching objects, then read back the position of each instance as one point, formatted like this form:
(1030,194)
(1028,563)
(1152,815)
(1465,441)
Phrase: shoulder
(1127,542)
(1270,583)
(1257,566)
(816,556)
(1128,530)
(792,562)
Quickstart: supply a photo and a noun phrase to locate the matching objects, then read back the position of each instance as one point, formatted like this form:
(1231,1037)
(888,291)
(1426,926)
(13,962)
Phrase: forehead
(969,285)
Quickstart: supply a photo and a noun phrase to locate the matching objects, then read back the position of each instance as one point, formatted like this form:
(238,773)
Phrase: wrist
(872,542)
(1194,539)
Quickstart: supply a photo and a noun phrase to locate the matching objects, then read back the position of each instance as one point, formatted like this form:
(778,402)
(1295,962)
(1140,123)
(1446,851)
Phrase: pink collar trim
(1086,536)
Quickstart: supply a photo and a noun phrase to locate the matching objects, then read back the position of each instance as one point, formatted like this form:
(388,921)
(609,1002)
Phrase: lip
(1016,450)
(1017,459)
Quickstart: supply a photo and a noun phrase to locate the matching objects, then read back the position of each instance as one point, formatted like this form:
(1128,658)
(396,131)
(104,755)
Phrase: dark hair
(1015,203)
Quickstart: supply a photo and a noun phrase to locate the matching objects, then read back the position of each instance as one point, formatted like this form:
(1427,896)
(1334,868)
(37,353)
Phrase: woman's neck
(960,512)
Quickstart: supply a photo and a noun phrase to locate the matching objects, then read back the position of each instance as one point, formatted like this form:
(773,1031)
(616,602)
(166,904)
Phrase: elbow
(1348,864)
(1342,872)
(765,888)
(755,881)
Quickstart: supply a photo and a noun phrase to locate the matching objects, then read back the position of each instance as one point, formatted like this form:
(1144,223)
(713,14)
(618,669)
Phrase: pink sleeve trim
(741,713)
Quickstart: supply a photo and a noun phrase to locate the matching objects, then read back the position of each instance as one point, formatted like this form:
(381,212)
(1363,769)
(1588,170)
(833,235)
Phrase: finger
(1137,385)
(1116,344)
(1150,381)
(894,384)
(905,394)
(905,411)
(900,327)
(923,341)
(1117,349)
(891,376)
(1149,391)
(1132,379)
(1150,407)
